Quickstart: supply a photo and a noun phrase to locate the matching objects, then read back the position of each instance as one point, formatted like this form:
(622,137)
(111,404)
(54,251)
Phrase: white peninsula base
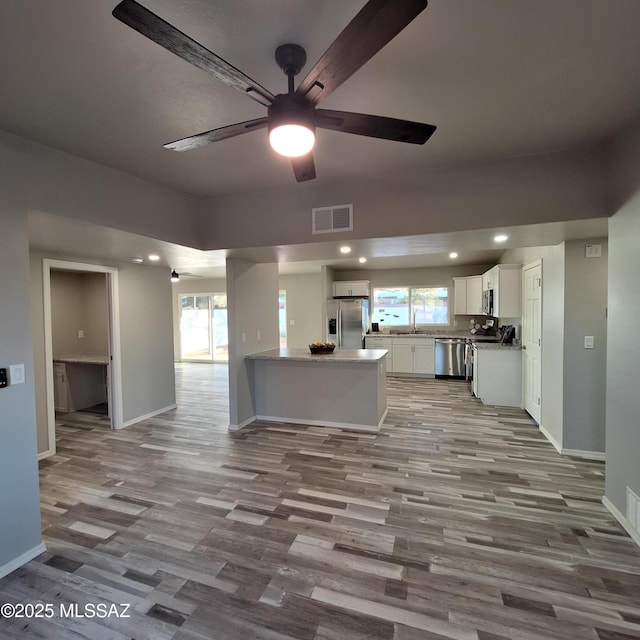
(345,389)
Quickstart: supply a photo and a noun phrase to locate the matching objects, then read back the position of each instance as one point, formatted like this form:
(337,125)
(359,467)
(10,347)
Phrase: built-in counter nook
(80,381)
(345,389)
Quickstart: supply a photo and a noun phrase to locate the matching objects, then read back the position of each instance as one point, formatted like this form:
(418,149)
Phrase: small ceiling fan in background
(292,117)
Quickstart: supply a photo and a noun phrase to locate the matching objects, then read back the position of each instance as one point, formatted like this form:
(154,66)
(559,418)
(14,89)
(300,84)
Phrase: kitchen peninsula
(345,389)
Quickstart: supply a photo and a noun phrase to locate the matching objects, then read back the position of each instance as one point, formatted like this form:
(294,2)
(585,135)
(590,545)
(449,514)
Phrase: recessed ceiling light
(345,249)
(136,260)
(453,255)
(501,238)
(154,257)
(362,260)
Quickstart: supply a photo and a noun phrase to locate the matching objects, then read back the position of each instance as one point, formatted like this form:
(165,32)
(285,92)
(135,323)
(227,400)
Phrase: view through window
(394,306)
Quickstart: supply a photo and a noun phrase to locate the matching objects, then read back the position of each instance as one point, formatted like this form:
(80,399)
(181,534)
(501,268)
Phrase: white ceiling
(499,78)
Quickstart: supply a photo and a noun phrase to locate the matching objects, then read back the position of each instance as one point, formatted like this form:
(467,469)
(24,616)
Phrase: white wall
(623,348)
(574,291)
(543,188)
(304,308)
(79,302)
(585,314)
(37,178)
(252,309)
(146,340)
(19,496)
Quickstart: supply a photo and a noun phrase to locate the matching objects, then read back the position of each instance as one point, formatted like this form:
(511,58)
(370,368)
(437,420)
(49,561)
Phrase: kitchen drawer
(379,342)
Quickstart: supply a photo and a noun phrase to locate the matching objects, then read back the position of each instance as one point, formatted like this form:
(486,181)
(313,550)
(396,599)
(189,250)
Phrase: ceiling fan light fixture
(292,140)
(174,276)
(292,125)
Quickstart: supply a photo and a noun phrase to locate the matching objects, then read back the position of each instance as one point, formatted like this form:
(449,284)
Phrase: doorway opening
(82,344)
(203,327)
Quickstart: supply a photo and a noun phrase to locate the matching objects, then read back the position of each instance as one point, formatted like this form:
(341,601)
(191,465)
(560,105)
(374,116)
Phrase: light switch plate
(16,373)
(588,342)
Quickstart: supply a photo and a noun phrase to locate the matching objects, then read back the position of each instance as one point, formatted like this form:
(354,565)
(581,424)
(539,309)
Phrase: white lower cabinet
(60,387)
(497,376)
(402,358)
(414,356)
(406,355)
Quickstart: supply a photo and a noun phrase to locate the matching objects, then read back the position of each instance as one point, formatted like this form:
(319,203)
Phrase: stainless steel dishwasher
(450,360)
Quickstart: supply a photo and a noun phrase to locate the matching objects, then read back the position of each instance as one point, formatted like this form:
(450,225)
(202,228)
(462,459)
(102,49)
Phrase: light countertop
(364,356)
(494,345)
(462,336)
(83,359)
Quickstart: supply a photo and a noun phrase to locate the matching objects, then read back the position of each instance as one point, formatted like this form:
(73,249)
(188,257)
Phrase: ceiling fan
(292,117)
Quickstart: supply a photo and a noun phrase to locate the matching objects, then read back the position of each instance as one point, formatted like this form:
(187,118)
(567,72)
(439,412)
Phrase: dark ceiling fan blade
(378,22)
(215,135)
(304,167)
(374,126)
(167,36)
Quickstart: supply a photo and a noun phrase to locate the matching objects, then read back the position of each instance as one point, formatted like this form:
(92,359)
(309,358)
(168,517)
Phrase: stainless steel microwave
(487,302)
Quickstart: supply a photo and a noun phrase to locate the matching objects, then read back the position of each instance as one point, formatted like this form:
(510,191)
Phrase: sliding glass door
(203,327)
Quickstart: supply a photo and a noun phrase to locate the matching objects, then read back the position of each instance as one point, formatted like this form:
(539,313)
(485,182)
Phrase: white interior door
(532,338)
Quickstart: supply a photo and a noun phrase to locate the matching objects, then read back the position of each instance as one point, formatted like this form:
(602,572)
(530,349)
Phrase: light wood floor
(455,521)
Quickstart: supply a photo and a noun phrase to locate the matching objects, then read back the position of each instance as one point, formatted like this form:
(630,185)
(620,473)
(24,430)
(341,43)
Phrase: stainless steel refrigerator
(348,321)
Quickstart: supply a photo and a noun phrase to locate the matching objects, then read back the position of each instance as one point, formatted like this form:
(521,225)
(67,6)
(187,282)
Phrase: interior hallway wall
(585,370)
(20,538)
(623,349)
(252,302)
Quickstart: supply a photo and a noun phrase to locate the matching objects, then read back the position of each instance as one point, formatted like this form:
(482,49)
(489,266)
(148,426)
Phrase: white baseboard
(16,563)
(45,454)
(621,519)
(550,438)
(242,425)
(370,428)
(146,416)
(587,455)
(576,453)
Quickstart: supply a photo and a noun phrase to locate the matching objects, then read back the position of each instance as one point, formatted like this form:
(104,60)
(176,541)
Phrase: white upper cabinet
(506,282)
(359,288)
(467,294)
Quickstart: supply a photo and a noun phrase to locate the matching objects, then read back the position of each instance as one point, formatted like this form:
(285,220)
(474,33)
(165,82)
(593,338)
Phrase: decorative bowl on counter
(322,347)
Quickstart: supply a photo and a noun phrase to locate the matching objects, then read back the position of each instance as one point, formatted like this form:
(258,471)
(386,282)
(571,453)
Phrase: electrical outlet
(3,378)
(258,334)
(243,338)
(292,322)
(80,333)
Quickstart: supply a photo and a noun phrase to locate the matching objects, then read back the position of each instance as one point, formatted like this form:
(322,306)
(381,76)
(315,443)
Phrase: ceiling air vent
(332,219)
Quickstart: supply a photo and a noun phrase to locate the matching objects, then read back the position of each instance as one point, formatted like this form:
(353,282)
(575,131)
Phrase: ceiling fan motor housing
(291,108)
